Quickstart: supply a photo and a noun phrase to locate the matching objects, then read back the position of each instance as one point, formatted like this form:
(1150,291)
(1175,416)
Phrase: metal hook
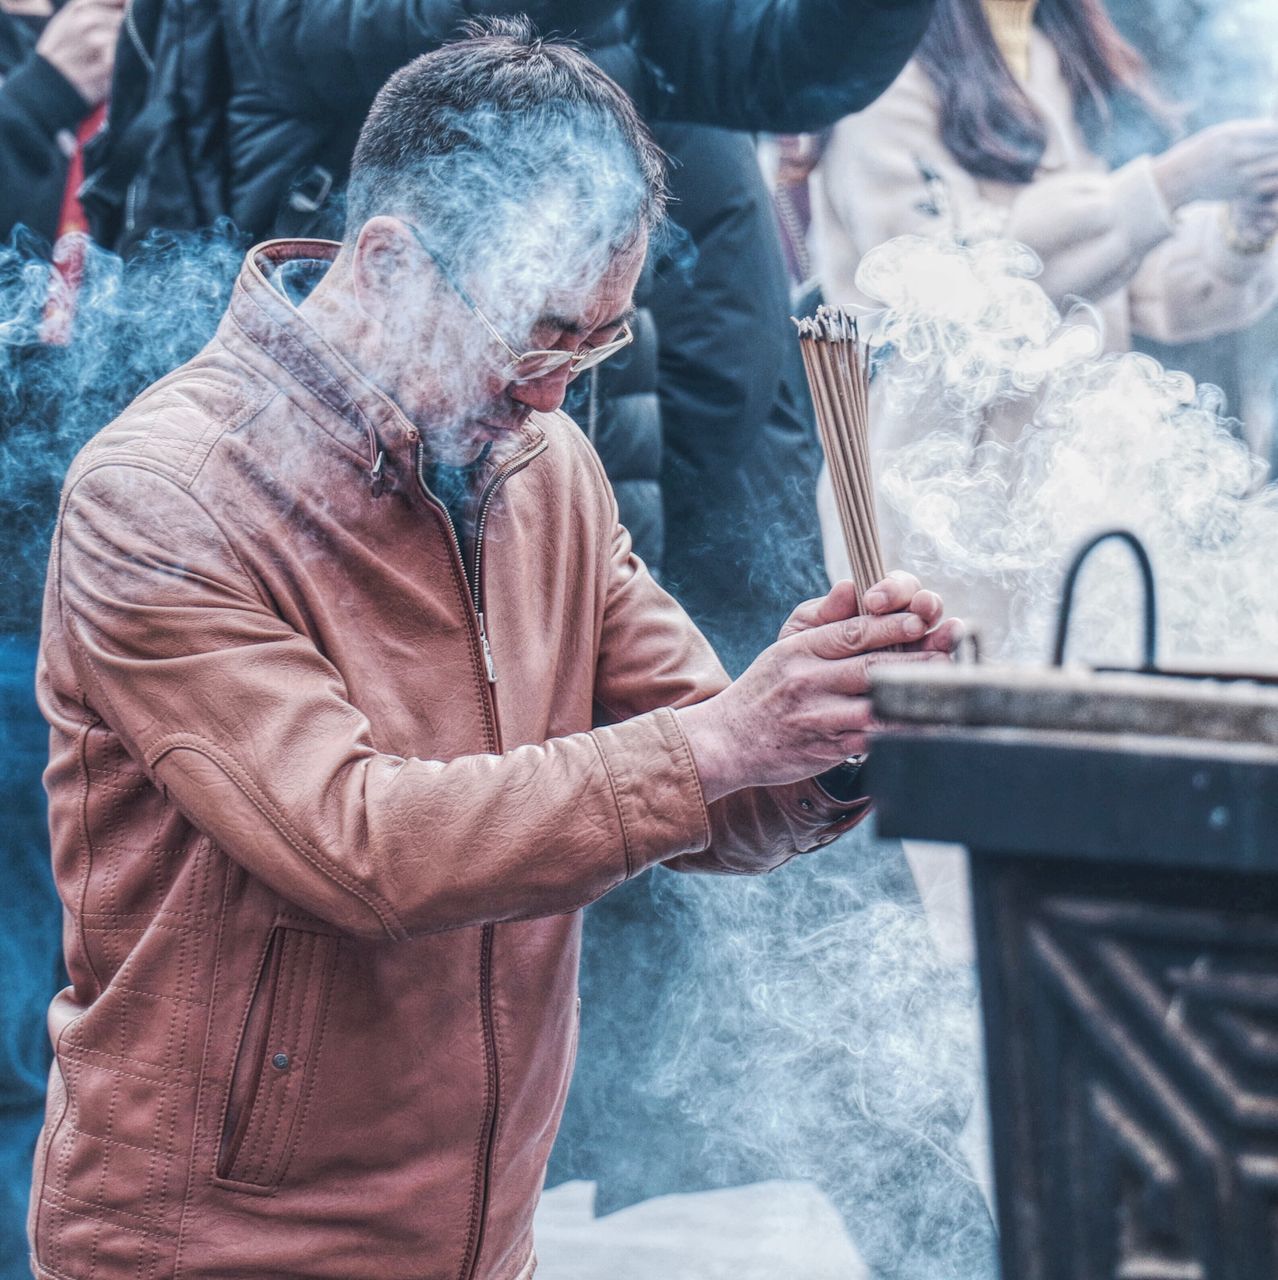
(1147,576)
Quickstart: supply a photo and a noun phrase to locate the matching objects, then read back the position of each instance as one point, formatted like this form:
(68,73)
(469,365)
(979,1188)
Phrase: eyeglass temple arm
(460,291)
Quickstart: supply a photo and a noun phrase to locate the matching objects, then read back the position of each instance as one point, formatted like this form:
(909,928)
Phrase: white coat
(1104,236)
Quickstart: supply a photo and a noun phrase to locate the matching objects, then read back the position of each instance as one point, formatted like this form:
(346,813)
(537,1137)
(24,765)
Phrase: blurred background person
(55,69)
(997,127)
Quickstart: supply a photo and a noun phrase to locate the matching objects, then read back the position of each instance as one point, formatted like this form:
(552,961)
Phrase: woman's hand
(1234,161)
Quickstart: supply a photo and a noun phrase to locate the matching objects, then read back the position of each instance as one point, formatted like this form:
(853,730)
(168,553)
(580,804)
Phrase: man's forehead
(586,322)
(608,304)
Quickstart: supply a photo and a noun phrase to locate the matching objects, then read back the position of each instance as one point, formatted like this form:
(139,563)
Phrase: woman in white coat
(991,130)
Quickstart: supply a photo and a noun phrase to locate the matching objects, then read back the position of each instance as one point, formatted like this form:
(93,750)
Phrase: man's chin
(461,440)
(496,428)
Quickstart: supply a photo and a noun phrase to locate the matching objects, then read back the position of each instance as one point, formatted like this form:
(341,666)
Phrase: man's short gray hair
(461,136)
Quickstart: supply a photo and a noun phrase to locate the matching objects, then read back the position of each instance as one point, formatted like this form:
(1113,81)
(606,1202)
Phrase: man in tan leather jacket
(358,695)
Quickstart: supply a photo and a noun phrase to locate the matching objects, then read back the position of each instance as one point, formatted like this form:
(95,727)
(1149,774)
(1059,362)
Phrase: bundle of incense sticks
(838,369)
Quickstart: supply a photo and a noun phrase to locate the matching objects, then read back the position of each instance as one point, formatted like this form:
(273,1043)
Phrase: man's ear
(381,263)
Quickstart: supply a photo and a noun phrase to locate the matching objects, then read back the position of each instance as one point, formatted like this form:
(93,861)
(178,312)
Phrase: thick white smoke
(815,1033)
(968,337)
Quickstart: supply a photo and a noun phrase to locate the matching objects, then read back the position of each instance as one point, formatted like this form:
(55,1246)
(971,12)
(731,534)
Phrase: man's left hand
(899,592)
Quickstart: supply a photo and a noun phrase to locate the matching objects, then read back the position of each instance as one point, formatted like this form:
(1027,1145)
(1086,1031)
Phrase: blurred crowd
(801,135)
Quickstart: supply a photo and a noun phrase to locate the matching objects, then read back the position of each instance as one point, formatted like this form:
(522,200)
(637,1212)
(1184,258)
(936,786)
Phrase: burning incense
(837,365)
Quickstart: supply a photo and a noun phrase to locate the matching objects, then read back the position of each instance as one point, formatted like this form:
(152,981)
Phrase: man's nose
(544,395)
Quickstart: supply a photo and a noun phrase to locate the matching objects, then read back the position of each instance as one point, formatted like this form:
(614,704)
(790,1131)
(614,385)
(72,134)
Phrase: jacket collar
(262,322)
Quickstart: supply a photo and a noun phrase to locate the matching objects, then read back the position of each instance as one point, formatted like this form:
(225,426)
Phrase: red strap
(69,254)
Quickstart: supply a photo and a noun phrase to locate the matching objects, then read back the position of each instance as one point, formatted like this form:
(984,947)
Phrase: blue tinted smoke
(133,322)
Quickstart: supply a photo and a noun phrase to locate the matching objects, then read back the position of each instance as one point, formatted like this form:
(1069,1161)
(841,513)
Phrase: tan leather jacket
(322,864)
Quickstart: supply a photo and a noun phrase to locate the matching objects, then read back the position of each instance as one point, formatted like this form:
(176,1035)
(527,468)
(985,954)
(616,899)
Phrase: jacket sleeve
(1194,285)
(652,655)
(36,103)
(1098,232)
(887,172)
(787,66)
(247,728)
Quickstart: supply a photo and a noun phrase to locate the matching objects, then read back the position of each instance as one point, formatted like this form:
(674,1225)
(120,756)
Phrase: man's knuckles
(854,636)
(892,592)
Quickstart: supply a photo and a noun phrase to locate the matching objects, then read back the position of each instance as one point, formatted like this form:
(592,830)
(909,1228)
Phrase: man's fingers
(928,605)
(843,600)
(893,593)
(844,723)
(899,592)
(944,640)
(802,617)
(852,677)
(855,636)
(840,602)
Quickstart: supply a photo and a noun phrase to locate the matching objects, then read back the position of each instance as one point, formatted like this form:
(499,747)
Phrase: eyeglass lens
(537,364)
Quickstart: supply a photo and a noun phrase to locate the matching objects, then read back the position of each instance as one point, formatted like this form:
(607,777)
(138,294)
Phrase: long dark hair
(989,123)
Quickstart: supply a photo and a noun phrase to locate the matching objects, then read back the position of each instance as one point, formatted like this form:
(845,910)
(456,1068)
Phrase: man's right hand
(80,40)
(801,707)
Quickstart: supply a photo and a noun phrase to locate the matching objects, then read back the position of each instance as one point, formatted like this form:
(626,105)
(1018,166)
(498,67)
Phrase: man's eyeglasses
(529,365)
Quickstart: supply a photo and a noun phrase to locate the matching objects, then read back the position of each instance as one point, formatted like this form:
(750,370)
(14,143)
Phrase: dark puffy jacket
(305,72)
(616,405)
(37,105)
(254,95)
(255,105)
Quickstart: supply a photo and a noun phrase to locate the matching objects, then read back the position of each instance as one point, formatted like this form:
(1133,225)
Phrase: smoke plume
(133,322)
(1112,440)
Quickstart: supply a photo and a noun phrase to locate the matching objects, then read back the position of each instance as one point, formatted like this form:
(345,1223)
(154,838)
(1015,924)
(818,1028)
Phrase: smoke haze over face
(530,215)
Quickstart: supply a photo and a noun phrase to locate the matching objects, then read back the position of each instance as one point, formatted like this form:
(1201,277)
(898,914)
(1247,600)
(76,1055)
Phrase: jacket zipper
(475,1243)
(504,472)
(480,524)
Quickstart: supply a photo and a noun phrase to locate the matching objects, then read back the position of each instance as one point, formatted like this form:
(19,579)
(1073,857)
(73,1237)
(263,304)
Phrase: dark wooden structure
(1125,890)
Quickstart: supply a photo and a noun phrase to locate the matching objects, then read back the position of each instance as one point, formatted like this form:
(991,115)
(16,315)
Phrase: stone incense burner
(1122,830)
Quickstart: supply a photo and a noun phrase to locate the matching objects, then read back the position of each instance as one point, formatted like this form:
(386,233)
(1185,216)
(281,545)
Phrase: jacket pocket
(276,1056)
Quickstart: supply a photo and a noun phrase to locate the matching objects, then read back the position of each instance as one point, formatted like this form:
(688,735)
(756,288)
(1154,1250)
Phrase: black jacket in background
(304,73)
(253,93)
(722,319)
(740,458)
(36,103)
(255,106)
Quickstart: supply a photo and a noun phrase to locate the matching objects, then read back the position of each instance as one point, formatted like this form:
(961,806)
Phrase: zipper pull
(377,474)
(488,652)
